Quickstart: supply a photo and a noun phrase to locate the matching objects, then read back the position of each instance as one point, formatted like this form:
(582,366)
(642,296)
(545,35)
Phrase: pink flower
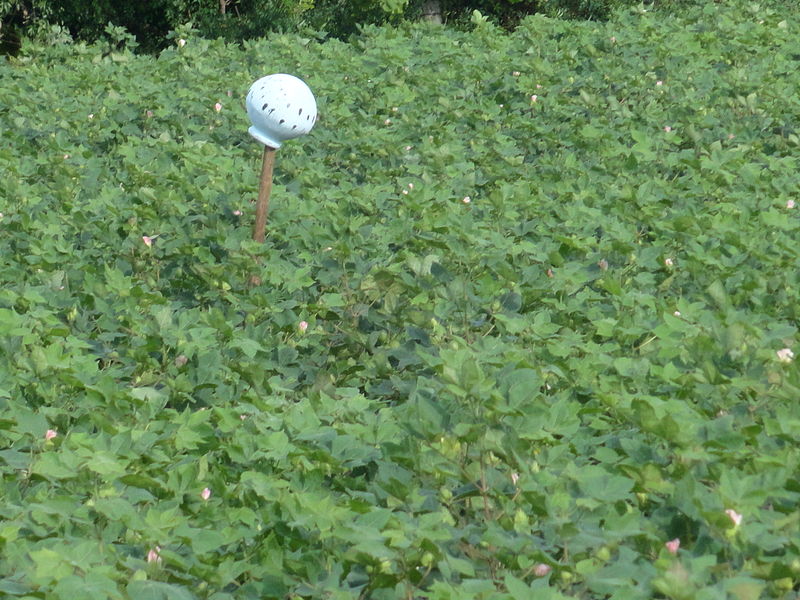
(405,192)
(153,555)
(659,83)
(218,107)
(237,213)
(408,148)
(302,326)
(603,264)
(785,355)
(673,545)
(790,204)
(205,494)
(514,478)
(181,360)
(613,39)
(387,122)
(677,313)
(466,200)
(50,434)
(149,114)
(734,516)
(668,262)
(534,98)
(667,128)
(148,241)
(542,570)
(411,186)
(550,273)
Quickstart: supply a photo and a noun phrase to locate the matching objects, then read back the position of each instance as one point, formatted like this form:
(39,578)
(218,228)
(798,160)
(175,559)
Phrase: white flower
(466,200)
(734,516)
(181,43)
(785,355)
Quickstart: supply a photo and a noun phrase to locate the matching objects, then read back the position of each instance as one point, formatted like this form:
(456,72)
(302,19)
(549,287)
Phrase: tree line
(151,21)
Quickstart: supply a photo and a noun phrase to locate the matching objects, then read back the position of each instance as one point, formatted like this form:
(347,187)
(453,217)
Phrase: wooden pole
(262,206)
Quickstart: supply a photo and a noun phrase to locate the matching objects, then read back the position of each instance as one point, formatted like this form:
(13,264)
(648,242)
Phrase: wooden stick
(262,206)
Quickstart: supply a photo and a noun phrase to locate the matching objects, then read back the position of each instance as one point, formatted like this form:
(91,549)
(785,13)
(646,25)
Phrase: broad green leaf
(157,590)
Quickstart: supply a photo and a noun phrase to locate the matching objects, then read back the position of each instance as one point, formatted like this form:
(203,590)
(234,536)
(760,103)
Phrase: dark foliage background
(236,20)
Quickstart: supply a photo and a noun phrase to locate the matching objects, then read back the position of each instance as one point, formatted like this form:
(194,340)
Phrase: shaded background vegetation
(237,20)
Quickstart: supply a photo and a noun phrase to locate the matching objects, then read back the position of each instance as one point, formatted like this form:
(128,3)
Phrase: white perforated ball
(280,107)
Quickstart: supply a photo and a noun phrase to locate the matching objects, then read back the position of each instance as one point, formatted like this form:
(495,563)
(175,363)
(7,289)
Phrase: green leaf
(93,586)
(157,590)
(50,465)
(518,589)
(106,465)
